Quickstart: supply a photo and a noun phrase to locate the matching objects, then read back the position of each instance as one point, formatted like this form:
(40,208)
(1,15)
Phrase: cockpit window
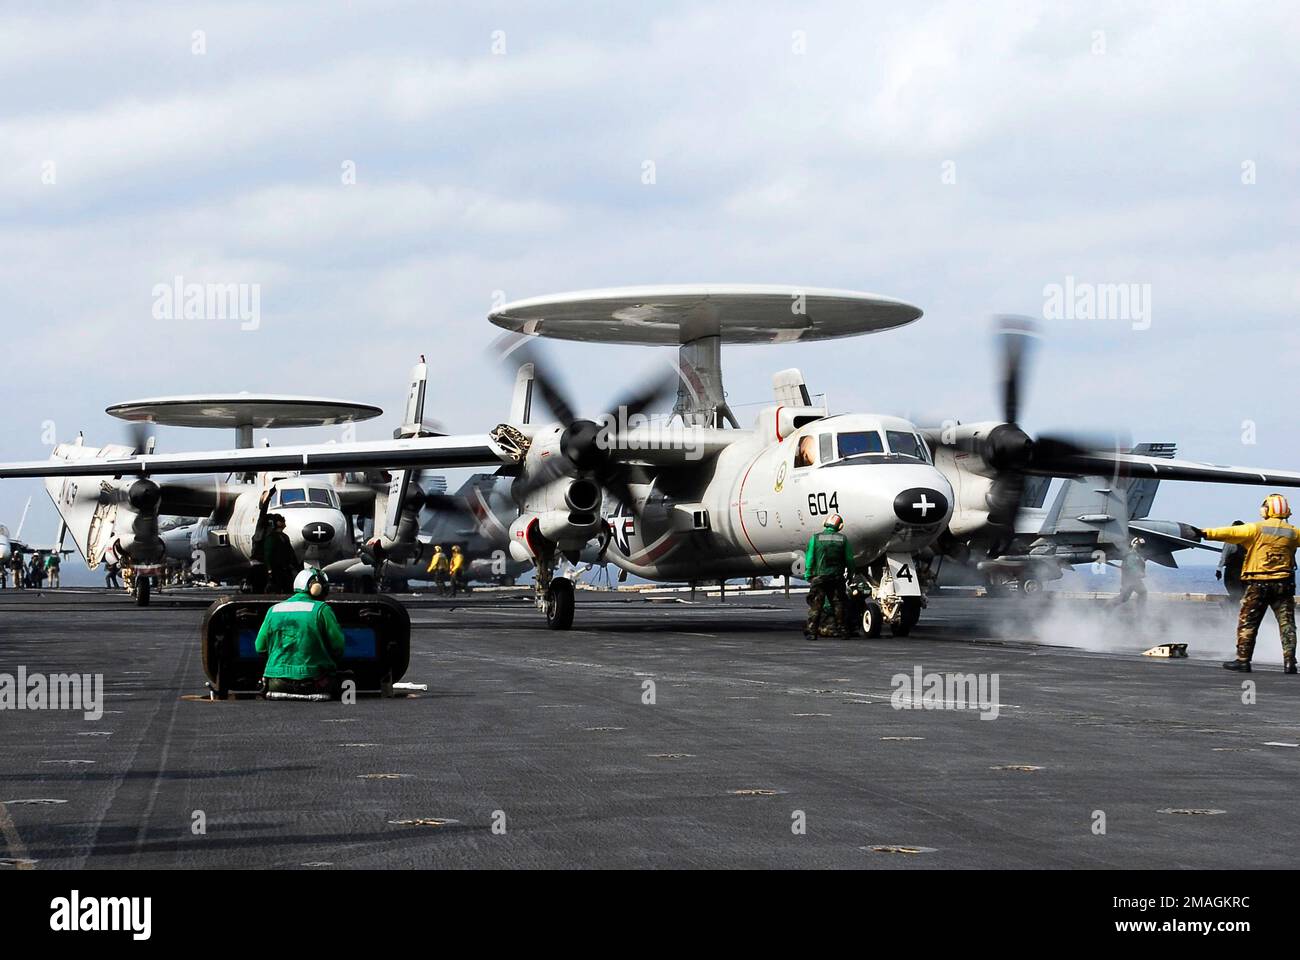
(805,454)
(320,497)
(906,445)
(292,497)
(825,447)
(859,443)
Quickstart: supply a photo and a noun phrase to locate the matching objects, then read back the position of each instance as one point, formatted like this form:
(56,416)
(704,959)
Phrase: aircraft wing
(1105,463)
(470,450)
(668,446)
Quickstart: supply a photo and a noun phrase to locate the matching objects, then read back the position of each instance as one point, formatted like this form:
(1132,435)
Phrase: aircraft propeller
(585,445)
(1012,453)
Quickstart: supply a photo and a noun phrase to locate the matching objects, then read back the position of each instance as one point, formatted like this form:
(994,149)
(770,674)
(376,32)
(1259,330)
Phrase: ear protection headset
(314,582)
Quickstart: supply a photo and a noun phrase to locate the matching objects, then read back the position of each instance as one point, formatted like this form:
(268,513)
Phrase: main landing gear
(558,604)
(554,596)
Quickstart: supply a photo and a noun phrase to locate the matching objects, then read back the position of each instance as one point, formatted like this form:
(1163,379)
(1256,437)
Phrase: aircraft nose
(318,532)
(920,505)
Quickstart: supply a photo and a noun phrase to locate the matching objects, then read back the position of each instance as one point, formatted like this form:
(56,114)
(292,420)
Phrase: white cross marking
(924,506)
(319,531)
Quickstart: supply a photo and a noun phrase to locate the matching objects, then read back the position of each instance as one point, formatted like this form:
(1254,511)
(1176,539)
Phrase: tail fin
(413,424)
(23,522)
(1089,505)
(790,389)
(88,515)
(1142,490)
(1035,492)
(390,508)
(521,403)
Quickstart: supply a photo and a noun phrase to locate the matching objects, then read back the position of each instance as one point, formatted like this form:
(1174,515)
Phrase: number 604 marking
(820,503)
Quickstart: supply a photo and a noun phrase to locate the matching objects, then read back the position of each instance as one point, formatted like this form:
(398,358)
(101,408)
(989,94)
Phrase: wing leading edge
(1159,468)
(472,450)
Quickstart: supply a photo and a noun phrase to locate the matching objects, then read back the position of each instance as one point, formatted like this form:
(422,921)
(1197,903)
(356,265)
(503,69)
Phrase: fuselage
(753,509)
(314,520)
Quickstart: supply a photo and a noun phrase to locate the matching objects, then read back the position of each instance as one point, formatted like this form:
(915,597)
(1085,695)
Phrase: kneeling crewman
(1268,573)
(303,642)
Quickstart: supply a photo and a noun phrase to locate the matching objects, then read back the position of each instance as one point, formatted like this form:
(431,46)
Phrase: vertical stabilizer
(1142,490)
(521,403)
(790,389)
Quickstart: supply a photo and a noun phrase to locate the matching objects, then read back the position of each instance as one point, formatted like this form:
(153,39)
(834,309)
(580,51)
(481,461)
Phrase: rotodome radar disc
(675,314)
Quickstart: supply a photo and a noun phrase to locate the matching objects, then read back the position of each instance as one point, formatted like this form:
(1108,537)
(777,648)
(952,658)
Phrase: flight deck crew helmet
(835,521)
(1275,507)
(1137,542)
(313,582)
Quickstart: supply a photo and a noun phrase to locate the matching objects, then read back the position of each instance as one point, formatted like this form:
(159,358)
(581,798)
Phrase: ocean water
(1189,579)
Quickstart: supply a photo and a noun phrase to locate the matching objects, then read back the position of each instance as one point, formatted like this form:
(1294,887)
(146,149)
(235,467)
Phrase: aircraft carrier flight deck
(661,732)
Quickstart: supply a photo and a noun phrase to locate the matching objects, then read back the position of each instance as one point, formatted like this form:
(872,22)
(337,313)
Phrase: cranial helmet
(835,521)
(314,582)
(1275,507)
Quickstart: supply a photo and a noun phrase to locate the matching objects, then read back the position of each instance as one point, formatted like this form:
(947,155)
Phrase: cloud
(790,144)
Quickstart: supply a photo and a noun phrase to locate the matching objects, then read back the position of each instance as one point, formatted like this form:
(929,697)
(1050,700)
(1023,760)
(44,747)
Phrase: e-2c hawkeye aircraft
(698,498)
(122,517)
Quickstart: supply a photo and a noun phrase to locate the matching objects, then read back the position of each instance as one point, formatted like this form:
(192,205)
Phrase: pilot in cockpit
(806,453)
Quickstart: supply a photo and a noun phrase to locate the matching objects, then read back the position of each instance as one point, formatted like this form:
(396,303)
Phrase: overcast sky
(959,156)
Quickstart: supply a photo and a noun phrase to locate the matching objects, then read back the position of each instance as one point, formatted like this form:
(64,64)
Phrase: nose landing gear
(895,596)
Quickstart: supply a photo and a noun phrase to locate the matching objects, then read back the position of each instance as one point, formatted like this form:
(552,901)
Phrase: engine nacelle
(971,476)
(141,541)
(533,535)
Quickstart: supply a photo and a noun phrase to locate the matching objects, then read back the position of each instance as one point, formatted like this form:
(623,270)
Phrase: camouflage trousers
(1262,595)
(326,686)
(820,590)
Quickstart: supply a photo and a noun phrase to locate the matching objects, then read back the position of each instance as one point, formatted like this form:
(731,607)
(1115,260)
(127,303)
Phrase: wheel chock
(1166,650)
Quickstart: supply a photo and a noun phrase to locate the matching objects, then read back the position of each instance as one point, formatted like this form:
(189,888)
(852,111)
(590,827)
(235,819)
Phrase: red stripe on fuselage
(740,513)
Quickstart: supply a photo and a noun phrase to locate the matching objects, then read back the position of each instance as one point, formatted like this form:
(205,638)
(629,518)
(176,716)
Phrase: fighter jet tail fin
(1089,505)
(1035,492)
(521,403)
(1142,490)
(23,522)
(790,389)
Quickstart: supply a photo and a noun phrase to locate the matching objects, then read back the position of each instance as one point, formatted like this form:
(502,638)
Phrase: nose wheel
(873,619)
